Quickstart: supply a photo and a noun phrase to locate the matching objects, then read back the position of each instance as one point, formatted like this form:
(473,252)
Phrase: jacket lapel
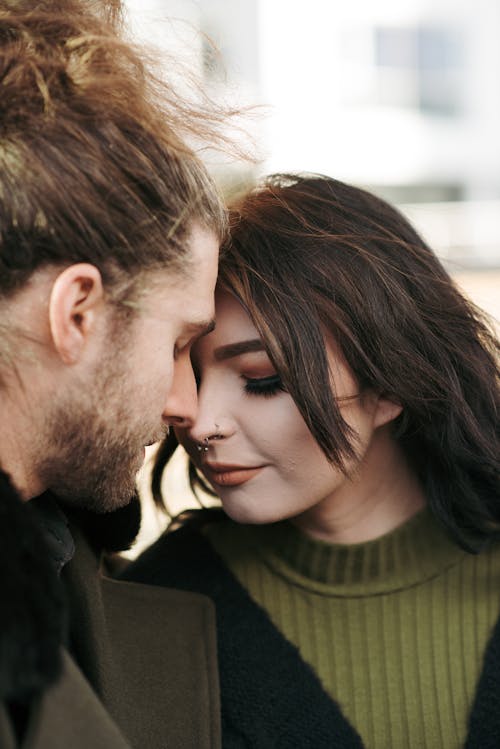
(90,724)
(149,653)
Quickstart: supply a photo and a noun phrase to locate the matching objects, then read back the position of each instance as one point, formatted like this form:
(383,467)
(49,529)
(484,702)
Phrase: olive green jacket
(148,652)
(67,715)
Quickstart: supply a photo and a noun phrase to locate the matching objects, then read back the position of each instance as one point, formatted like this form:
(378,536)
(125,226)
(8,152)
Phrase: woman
(348,403)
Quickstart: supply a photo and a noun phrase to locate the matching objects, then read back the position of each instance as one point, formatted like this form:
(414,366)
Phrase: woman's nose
(213,421)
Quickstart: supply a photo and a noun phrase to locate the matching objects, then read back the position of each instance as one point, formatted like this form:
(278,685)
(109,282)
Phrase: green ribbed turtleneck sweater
(395,628)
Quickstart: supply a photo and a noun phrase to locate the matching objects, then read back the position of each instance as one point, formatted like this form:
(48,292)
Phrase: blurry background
(401,97)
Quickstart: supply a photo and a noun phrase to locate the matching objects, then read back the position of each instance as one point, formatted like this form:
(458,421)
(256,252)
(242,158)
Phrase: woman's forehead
(233,326)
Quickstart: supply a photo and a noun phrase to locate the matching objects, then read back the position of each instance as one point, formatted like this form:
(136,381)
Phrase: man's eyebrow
(202,328)
(236,349)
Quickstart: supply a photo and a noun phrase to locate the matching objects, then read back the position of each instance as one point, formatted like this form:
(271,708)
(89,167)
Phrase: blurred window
(409,67)
(419,67)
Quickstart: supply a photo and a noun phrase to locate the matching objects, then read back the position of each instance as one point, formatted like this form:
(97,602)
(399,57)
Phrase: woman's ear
(386,410)
(76,301)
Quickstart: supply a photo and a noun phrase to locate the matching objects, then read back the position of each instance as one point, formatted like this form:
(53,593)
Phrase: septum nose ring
(203,447)
(205,444)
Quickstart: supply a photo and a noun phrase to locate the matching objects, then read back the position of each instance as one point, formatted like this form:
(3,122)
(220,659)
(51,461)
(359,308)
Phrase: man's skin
(92,394)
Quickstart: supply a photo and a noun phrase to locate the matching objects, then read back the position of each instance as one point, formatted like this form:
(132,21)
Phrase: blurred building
(401,97)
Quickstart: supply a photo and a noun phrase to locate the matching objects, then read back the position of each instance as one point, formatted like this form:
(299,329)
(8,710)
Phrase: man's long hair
(94,166)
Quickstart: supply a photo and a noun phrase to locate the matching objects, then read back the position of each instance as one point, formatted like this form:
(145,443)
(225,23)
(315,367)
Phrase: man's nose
(182,402)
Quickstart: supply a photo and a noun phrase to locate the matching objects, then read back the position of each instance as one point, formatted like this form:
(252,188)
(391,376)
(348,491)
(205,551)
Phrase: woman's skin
(263,461)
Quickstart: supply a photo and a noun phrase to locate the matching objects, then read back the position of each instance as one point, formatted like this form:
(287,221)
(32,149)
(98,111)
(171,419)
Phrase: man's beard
(94,447)
(92,467)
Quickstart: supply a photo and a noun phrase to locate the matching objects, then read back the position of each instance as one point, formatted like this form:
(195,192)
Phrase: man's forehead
(167,295)
(184,290)
(164,283)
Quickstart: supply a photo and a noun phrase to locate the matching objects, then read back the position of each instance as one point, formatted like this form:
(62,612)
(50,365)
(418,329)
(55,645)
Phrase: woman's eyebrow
(236,349)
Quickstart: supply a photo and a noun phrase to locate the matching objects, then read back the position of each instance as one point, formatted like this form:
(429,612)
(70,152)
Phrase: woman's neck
(382,494)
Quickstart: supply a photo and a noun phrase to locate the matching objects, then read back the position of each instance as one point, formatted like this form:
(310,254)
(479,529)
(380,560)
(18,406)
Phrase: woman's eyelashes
(265,386)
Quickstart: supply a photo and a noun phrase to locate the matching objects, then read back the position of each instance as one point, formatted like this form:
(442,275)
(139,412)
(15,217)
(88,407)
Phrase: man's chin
(100,500)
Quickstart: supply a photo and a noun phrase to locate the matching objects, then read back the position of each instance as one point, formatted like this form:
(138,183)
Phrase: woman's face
(262,459)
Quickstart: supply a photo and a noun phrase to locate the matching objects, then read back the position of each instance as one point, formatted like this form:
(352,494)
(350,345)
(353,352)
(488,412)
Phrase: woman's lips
(230,475)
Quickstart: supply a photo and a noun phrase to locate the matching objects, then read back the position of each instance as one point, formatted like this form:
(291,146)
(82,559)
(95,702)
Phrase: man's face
(141,382)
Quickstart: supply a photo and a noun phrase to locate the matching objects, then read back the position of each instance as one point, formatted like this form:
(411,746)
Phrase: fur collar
(32,622)
(113,531)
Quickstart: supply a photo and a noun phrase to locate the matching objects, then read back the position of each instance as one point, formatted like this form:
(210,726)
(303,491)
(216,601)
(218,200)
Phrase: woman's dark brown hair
(309,254)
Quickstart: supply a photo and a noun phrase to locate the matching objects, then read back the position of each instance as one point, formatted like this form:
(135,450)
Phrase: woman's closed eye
(265,386)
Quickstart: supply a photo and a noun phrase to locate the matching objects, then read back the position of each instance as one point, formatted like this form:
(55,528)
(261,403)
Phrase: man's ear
(386,411)
(76,300)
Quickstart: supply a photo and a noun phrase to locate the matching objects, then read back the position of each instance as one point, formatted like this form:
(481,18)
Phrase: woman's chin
(246,515)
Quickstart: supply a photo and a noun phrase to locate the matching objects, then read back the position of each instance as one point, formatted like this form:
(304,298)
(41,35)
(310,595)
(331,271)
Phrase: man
(109,234)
